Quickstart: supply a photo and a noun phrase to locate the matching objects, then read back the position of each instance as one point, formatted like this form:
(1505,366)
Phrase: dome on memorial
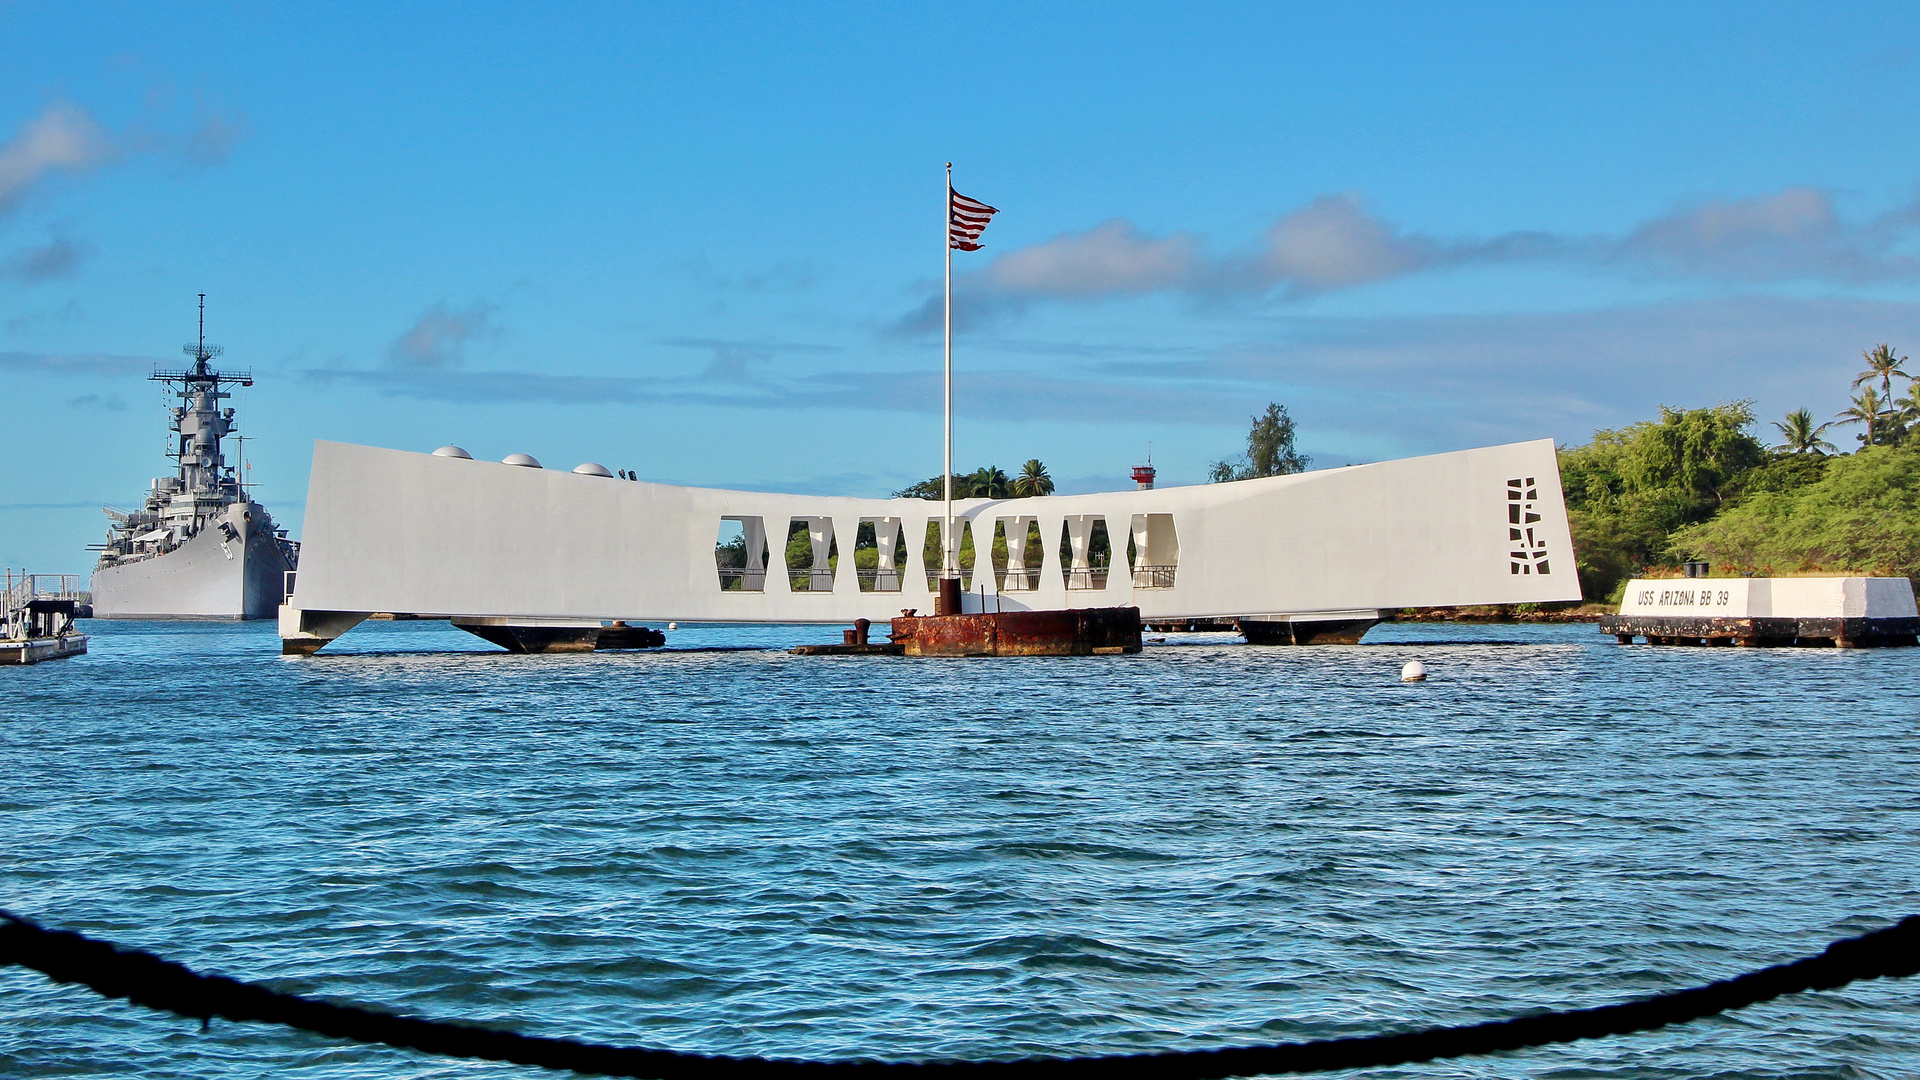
(451,450)
(527,460)
(593,468)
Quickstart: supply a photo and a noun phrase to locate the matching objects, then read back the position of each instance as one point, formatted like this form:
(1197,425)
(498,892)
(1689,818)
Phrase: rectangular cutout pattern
(1527,553)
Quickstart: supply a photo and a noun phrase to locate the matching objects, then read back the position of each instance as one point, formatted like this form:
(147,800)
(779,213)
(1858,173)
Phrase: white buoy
(673,626)
(1415,671)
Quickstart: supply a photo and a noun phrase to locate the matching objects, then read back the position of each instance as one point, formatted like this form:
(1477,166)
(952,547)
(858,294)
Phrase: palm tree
(1033,480)
(1868,409)
(1907,409)
(986,482)
(1799,434)
(1882,365)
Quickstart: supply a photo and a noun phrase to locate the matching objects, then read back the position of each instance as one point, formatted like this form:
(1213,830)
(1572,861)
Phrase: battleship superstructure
(199,547)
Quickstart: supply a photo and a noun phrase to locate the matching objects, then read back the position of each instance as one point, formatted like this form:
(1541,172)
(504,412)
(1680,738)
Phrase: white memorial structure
(514,544)
(1847,612)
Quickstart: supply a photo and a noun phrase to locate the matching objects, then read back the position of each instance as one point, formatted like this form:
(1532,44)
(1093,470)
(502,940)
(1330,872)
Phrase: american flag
(966,220)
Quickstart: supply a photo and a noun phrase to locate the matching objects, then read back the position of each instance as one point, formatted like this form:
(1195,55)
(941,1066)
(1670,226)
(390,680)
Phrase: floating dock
(1836,612)
(38,618)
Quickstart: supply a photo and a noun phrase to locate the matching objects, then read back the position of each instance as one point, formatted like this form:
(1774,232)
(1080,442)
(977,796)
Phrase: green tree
(1868,408)
(931,488)
(799,556)
(1882,365)
(1861,516)
(1630,488)
(1270,450)
(1907,409)
(1033,480)
(987,482)
(1799,435)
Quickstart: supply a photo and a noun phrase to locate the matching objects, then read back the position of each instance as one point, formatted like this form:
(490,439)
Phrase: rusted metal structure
(1073,632)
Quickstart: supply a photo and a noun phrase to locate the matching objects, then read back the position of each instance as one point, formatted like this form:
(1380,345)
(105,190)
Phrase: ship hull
(203,578)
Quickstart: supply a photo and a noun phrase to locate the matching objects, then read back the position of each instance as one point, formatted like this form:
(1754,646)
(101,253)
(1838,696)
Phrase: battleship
(199,547)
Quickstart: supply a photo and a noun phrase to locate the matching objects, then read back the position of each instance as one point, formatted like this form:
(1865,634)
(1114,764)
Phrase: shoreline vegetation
(1696,484)
(1699,485)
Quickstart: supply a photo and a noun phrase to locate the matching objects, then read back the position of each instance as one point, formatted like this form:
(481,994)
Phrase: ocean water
(747,852)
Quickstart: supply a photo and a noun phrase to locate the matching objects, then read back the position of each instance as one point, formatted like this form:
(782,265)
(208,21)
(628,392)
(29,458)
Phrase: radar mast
(199,422)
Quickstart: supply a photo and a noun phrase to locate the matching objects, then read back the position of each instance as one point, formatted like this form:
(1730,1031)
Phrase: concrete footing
(618,635)
(303,632)
(1763,633)
(534,635)
(1318,628)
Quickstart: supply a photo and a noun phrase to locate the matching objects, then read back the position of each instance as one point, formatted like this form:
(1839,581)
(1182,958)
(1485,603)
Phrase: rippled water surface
(747,852)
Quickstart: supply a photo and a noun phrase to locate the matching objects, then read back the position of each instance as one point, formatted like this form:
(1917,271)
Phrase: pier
(38,618)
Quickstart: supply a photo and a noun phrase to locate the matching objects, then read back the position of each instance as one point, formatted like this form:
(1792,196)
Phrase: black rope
(145,979)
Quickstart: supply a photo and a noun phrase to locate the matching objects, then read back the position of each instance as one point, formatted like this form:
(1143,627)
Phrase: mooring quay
(523,550)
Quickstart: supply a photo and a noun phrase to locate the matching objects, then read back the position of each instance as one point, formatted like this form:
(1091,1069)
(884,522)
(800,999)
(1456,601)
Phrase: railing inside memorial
(817,579)
(1153,577)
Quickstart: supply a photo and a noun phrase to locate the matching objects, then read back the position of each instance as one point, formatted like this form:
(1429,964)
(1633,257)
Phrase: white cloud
(1415,384)
(66,139)
(1792,234)
(1362,388)
(1110,259)
(438,339)
(1332,243)
(63,138)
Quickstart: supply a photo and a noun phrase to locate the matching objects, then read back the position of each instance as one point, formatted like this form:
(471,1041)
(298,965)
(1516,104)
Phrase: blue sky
(701,242)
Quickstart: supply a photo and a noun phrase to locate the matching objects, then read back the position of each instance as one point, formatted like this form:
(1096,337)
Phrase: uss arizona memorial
(511,544)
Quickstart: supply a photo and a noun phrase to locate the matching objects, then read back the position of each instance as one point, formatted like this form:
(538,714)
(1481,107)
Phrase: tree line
(1698,484)
(986,482)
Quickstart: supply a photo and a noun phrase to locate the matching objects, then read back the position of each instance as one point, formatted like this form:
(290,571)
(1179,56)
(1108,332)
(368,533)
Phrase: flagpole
(951,559)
